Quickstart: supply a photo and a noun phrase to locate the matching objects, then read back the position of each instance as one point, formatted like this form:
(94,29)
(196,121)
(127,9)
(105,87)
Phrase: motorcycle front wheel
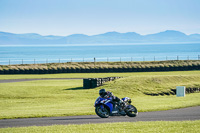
(131,111)
(103,113)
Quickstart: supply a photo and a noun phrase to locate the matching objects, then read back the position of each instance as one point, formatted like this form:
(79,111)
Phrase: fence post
(131,58)
(94,61)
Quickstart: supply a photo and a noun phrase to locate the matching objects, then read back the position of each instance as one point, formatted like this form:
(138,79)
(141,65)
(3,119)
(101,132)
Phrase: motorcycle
(106,107)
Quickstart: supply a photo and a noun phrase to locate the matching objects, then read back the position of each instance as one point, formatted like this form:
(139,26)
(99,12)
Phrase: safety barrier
(96,82)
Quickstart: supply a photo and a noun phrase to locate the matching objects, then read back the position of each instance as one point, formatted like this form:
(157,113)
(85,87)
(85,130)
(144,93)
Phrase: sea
(36,54)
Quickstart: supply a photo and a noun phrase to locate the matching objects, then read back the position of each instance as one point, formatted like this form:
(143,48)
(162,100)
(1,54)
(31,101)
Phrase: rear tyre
(103,113)
(131,111)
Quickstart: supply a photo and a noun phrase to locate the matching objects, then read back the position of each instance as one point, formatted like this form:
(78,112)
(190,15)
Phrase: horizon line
(98,33)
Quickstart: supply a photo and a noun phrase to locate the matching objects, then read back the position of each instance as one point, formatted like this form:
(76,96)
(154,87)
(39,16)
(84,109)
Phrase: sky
(90,17)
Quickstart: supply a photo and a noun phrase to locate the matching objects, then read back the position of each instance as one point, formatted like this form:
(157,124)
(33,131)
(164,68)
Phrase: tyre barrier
(173,92)
(96,82)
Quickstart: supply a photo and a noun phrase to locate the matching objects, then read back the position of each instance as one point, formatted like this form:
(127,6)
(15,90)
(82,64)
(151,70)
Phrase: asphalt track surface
(191,113)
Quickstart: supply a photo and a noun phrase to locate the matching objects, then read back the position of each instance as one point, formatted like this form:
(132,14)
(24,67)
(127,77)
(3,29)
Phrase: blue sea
(30,54)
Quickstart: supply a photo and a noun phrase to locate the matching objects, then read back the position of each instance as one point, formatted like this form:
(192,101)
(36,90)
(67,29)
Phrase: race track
(22,80)
(191,113)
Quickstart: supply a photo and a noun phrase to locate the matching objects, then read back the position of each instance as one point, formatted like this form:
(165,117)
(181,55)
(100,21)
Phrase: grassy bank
(101,67)
(138,127)
(67,97)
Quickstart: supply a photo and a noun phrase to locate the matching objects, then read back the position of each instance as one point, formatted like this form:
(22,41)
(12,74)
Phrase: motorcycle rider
(107,94)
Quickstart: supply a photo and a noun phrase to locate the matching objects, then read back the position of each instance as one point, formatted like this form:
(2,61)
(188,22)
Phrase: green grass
(97,75)
(67,97)
(141,84)
(44,98)
(66,75)
(123,127)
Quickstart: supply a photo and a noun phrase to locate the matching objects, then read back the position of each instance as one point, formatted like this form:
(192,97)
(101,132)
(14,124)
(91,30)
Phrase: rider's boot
(121,104)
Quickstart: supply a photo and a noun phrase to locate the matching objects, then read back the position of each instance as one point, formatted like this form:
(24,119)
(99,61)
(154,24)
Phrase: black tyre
(131,111)
(103,113)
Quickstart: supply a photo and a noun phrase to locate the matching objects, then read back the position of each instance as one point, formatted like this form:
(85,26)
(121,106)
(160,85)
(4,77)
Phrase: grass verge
(97,75)
(67,97)
(138,127)
(64,75)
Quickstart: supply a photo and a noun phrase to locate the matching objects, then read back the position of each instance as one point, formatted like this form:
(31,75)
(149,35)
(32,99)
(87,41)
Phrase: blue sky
(65,17)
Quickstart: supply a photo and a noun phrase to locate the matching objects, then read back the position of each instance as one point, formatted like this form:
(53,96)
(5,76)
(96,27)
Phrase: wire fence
(96,59)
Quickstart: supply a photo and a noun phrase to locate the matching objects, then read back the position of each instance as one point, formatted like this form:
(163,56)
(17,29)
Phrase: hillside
(169,36)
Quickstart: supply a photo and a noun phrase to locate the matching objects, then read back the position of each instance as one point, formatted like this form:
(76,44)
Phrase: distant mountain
(195,36)
(77,39)
(168,36)
(29,38)
(115,37)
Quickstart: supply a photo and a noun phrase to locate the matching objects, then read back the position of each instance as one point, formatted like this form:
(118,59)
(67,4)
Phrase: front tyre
(103,113)
(131,111)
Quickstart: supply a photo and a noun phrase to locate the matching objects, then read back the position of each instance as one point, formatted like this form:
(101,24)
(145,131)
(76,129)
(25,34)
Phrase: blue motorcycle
(106,107)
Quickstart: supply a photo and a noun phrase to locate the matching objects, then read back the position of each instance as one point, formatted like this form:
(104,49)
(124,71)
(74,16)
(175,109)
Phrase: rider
(107,94)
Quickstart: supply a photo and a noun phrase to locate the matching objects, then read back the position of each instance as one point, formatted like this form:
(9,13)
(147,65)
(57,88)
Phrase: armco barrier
(96,82)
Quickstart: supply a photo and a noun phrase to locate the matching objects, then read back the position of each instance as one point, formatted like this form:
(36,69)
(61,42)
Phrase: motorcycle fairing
(104,102)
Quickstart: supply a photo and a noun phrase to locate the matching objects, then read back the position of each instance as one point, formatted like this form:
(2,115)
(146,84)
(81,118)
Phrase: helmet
(102,92)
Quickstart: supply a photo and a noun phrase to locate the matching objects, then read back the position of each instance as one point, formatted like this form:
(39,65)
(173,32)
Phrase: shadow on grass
(76,88)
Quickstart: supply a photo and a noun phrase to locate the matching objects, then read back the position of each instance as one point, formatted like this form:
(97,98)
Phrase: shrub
(31,71)
(59,70)
(64,69)
(83,67)
(16,70)
(73,69)
(26,70)
(115,68)
(54,69)
(1,71)
(45,70)
(21,70)
(35,70)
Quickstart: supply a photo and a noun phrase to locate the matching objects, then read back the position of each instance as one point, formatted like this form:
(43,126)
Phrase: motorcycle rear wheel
(102,113)
(131,111)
